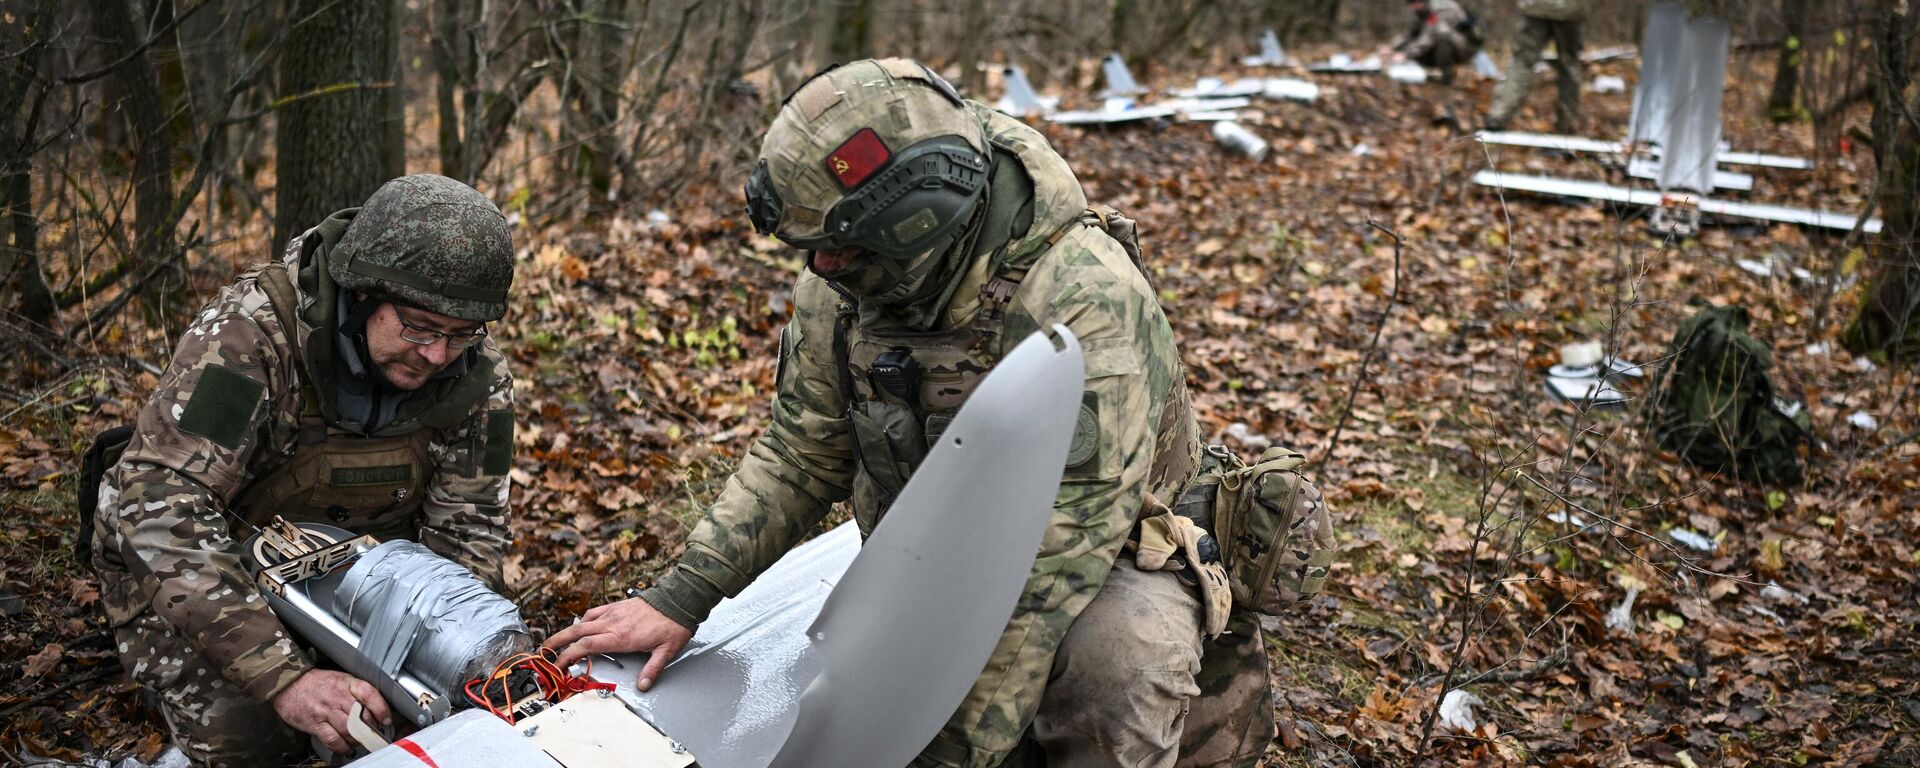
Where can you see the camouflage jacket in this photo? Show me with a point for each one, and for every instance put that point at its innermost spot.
(805, 461)
(1556, 10)
(1442, 21)
(165, 535)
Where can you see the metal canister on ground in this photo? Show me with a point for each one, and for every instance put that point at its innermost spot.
(1239, 140)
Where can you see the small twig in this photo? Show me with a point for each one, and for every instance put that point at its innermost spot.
(1546, 664)
(1895, 443)
(103, 671)
(1373, 346)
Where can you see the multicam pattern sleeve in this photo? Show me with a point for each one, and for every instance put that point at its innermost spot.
(1086, 283)
(465, 512)
(799, 467)
(228, 396)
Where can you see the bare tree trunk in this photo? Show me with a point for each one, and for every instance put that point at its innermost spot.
(22, 94)
(597, 66)
(454, 71)
(1889, 319)
(973, 38)
(121, 24)
(1783, 105)
(1176, 33)
(343, 134)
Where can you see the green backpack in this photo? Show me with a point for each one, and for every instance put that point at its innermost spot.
(1716, 407)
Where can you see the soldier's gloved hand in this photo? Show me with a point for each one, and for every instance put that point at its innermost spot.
(319, 702)
(628, 626)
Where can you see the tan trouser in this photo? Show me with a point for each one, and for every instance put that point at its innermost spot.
(1129, 686)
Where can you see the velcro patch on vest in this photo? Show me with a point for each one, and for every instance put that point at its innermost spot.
(389, 475)
(1086, 432)
(858, 158)
(499, 451)
(222, 406)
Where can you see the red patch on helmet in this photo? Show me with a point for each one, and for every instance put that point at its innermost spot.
(858, 158)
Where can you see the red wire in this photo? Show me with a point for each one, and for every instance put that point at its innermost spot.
(554, 683)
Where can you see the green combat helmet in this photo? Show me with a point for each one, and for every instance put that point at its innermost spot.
(879, 155)
(430, 242)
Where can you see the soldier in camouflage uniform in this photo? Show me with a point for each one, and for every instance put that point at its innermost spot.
(940, 234)
(350, 383)
(1542, 22)
(1437, 39)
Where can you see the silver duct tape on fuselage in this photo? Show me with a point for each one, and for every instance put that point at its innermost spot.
(410, 697)
(414, 624)
(422, 613)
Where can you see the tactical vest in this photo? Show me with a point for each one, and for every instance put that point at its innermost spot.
(903, 387)
(370, 485)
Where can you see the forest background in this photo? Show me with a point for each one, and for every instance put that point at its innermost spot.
(152, 149)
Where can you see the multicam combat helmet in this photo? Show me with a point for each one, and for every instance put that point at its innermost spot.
(430, 242)
(879, 155)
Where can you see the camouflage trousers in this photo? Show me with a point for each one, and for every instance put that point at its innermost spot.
(1533, 39)
(1134, 684)
(212, 721)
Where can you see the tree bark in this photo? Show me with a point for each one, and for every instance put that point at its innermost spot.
(454, 73)
(1783, 105)
(121, 25)
(597, 67)
(347, 136)
(973, 38)
(21, 96)
(1889, 319)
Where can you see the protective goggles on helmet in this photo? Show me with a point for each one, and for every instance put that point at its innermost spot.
(906, 204)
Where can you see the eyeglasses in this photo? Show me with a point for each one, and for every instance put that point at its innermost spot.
(424, 336)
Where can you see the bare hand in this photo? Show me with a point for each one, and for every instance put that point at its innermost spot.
(627, 626)
(318, 703)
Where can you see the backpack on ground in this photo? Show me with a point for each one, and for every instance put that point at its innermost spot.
(1716, 407)
(101, 456)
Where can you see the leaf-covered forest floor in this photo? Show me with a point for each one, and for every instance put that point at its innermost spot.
(1487, 530)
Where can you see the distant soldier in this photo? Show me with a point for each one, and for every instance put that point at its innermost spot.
(940, 233)
(1544, 21)
(1443, 36)
(350, 383)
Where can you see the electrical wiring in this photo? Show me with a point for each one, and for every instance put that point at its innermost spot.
(536, 678)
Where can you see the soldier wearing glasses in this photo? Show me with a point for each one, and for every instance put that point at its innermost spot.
(352, 383)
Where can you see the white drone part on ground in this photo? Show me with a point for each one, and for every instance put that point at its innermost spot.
(1021, 99)
(1292, 88)
(1668, 48)
(1584, 145)
(1113, 112)
(1649, 169)
(1343, 64)
(1484, 67)
(1216, 88)
(1677, 108)
(1594, 190)
(1271, 54)
(1119, 78)
(841, 654)
(1407, 72)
